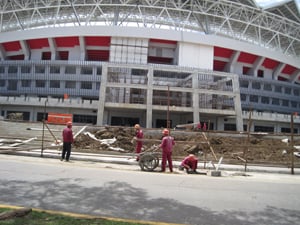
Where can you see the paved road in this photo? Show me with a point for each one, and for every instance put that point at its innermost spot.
(124, 191)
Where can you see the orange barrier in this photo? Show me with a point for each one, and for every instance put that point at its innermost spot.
(59, 118)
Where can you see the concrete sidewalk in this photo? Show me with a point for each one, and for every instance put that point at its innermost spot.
(129, 161)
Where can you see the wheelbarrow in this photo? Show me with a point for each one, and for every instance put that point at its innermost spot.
(149, 159)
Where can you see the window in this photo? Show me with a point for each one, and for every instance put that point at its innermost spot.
(285, 103)
(275, 101)
(12, 85)
(54, 84)
(25, 69)
(253, 98)
(99, 70)
(86, 70)
(2, 69)
(267, 87)
(288, 90)
(40, 69)
(296, 92)
(294, 104)
(25, 83)
(278, 89)
(70, 84)
(55, 69)
(86, 85)
(40, 83)
(46, 55)
(244, 83)
(2, 83)
(256, 85)
(70, 70)
(265, 100)
(260, 73)
(12, 69)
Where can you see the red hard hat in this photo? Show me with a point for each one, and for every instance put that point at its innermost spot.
(165, 132)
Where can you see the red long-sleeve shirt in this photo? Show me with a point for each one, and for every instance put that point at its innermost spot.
(67, 135)
(167, 143)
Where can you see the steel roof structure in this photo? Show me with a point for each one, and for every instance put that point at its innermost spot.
(276, 28)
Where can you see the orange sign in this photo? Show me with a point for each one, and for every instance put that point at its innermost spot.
(59, 118)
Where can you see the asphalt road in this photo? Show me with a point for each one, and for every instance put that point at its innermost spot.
(125, 192)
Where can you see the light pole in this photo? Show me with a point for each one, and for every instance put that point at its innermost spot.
(168, 109)
(44, 118)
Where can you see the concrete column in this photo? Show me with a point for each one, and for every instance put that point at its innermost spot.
(102, 91)
(237, 103)
(149, 99)
(196, 111)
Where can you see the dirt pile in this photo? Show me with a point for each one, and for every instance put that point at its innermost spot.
(233, 148)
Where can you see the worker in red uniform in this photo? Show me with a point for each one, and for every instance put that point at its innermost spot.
(138, 138)
(189, 163)
(67, 135)
(167, 144)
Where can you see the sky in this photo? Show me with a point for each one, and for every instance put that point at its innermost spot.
(267, 3)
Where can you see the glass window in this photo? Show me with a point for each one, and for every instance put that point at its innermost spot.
(55, 69)
(25, 83)
(70, 84)
(86, 85)
(54, 84)
(265, 100)
(25, 69)
(70, 70)
(12, 69)
(253, 98)
(12, 85)
(256, 85)
(40, 83)
(278, 89)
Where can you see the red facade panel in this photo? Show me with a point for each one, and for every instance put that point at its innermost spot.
(97, 41)
(219, 65)
(67, 41)
(270, 64)
(247, 58)
(97, 55)
(38, 43)
(162, 41)
(288, 69)
(12, 46)
(222, 52)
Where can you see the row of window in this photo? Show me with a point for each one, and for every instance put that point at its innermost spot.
(53, 69)
(269, 87)
(269, 100)
(12, 85)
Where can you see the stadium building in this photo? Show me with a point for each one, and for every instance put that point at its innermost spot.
(160, 63)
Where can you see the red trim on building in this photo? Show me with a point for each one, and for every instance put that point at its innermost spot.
(160, 60)
(97, 55)
(12, 46)
(247, 58)
(219, 65)
(97, 41)
(288, 69)
(270, 63)
(223, 52)
(16, 57)
(162, 41)
(38, 43)
(67, 41)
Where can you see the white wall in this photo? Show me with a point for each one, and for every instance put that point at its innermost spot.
(195, 55)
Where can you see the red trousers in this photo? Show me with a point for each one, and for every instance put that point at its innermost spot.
(166, 156)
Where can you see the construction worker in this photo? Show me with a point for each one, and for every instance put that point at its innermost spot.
(68, 139)
(189, 163)
(167, 144)
(139, 143)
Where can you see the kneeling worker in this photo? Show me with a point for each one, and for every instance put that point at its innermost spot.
(189, 163)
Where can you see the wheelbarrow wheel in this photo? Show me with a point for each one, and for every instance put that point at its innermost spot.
(148, 162)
